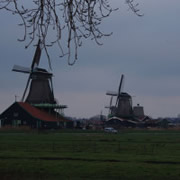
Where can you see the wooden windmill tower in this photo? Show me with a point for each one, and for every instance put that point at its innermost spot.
(40, 85)
(123, 105)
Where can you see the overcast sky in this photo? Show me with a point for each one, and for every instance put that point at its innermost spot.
(145, 49)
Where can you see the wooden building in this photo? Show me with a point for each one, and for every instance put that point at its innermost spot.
(24, 114)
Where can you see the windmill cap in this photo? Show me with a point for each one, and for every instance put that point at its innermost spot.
(123, 94)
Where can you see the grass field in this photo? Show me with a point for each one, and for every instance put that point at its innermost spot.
(130, 154)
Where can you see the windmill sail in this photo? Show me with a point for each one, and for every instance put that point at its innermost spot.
(37, 56)
(35, 63)
(120, 89)
(22, 69)
(27, 84)
(111, 93)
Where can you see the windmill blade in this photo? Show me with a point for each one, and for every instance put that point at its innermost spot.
(35, 63)
(119, 90)
(26, 88)
(111, 93)
(120, 85)
(107, 107)
(21, 69)
(37, 56)
(110, 104)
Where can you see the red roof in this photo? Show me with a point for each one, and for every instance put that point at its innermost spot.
(39, 114)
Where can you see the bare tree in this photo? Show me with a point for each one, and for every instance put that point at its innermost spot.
(77, 19)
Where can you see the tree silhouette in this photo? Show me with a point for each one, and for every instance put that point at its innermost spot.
(61, 21)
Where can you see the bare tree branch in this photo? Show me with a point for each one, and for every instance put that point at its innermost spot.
(62, 21)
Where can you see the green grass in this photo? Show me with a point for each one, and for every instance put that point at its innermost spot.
(130, 154)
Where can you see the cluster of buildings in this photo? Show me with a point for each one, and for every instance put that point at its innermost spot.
(38, 107)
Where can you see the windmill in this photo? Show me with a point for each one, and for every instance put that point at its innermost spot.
(39, 83)
(123, 105)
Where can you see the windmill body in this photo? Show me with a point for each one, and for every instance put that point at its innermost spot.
(124, 106)
(41, 90)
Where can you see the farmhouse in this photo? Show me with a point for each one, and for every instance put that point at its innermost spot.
(24, 114)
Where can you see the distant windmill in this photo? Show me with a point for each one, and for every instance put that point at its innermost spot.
(123, 105)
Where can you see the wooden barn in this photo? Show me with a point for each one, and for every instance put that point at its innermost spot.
(24, 114)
